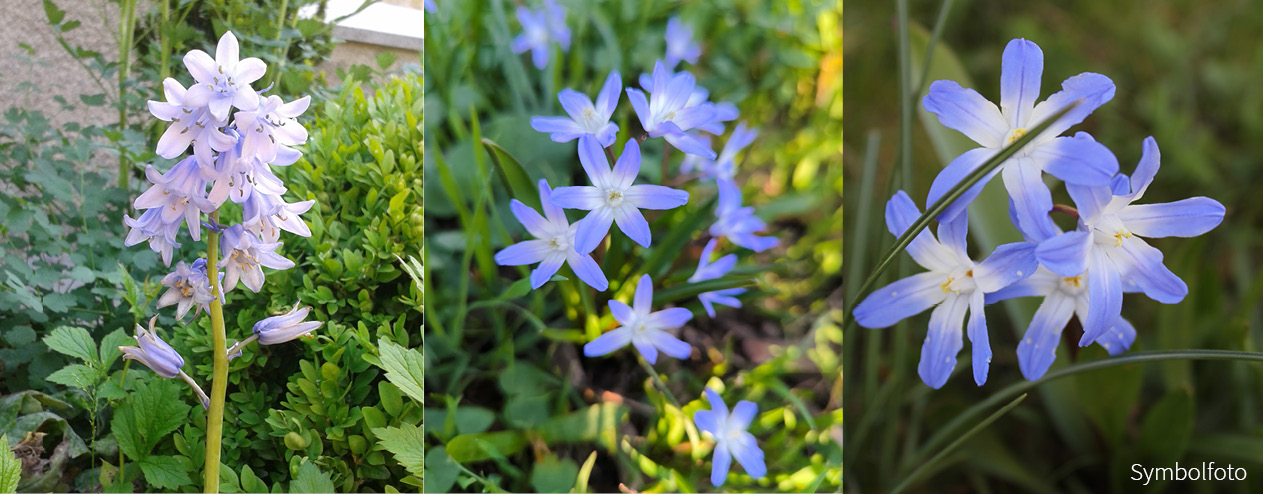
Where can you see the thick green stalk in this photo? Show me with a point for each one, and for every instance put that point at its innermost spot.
(219, 382)
(126, 29)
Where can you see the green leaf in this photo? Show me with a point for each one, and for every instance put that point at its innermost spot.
(513, 175)
(109, 347)
(149, 413)
(908, 480)
(250, 482)
(404, 368)
(597, 423)
(311, 479)
(10, 468)
(73, 341)
(1167, 428)
(19, 336)
(467, 448)
(689, 290)
(55, 15)
(407, 443)
(552, 475)
(76, 376)
(166, 472)
(585, 472)
(440, 470)
(92, 99)
(385, 59)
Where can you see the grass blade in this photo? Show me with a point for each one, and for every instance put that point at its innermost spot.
(925, 467)
(681, 292)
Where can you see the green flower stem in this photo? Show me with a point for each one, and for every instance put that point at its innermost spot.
(219, 381)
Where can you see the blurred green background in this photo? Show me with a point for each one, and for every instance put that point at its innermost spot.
(1187, 73)
(562, 422)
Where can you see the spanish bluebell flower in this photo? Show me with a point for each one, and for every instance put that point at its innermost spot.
(238, 175)
(680, 44)
(227, 76)
(285, 327)
(1075, 160)
(187, 287)
(647, 331)
(266, 215)
(244, 257)
(953, 282)
(666, 112)
(191, 123)
(585, 117)
(554, 244)
(725, 167)
(737, 223)
(150, 227)
(612, 198)
(1108, 246)
(732, 439)
(706, 270)
(153, 352)
(270, 128)
(539, 29)
(180, 194)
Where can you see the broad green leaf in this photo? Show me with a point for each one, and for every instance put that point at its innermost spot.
(149, 413)
(250, 482)
(10, 468)
(406, 442)
(514, 176)
(440, 470)
(596, 423)
(404, 368)
(311, 479)
(467, 448)
(166, 472)
(109, 347)
(76, 376)
(553, 475)
(73, 341)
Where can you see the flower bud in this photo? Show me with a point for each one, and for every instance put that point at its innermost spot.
(285, 327)
(153, 352)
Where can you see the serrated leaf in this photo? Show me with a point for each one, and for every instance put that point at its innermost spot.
(406, 442)
(149, 413)
(10, 467)
(311, 479)
(76, 376)
(166, 472)
(109, 347)
(73, 341)
(404, 368)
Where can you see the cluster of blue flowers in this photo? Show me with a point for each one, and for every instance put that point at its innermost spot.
(1083, 272)
(672, 106)
(233, 152)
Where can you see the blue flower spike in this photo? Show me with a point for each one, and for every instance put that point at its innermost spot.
(645, 330)
(612, 198)
(732, 439)
(1078, 160)
(953, 285)
(553, 246)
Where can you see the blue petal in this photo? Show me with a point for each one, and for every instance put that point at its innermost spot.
(1020, 72)
(633, 224)
(901, 213)
(954, 173)
(607, 99)
(719, 466)
(688, 144)
(952, 234)
(647, 349)
(529, 218)
(1150, 161)
(578, 197)
(588, 270)
(1187, 218)
(574, 103)
(647, 196)
(1077, 160)
(1142, 266)
(1040, 284)
(716, 402)
(546, 270)
(1065, 254)
(1038, 349)
(1031, 197)
(966, 111)
(1090, 89)
(707, 421)
(943, 342)
(670, 345)
(608, 342)
(899, 300)
(746, 451)
(1105, 297)
(742, 415)
(1007, 264)
(1090, 201)
(640, 105)
(978, 338)
(693, 116)
(561, 129)
(642, 300)
(592, 229)
(523, 253)
(627, 166)
(1120, 185)
(1119, 338)
(592, 158)
(621, 312)
(670, 318)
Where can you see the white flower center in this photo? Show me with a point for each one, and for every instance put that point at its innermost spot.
(613, 197)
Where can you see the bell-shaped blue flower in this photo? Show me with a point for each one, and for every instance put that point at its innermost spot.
(285, 327)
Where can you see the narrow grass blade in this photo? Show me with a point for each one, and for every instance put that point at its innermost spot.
(927, 466)
(682, 292)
